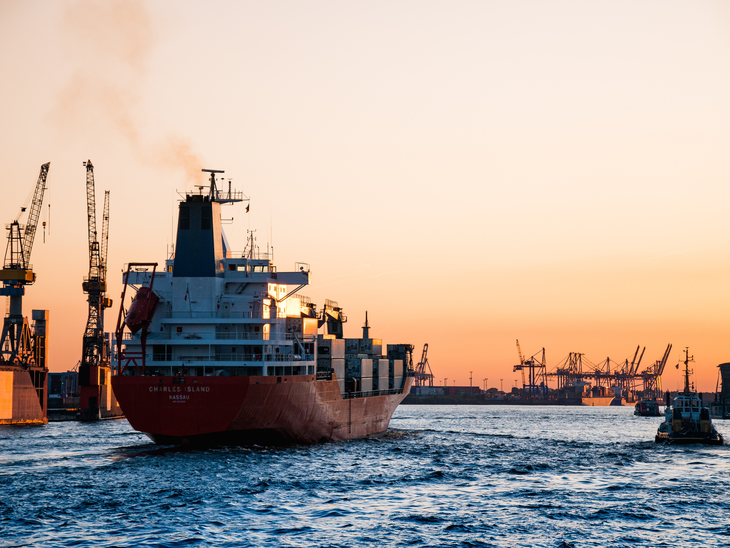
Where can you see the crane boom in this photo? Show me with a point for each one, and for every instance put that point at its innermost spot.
(104, 237)
(636, 367)
(424, 378)
(521, 366)
(663, 363)
(630, 368)
(34, 214)
(94, 258)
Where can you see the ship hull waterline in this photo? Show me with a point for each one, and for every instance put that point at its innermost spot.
(689, 439)
(250, 409)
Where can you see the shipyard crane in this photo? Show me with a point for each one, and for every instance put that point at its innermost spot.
(575, 368)
(651, 376)
(16, 344)
(635, 368)
(536, 370)
(94, 353)
(423, 378)
(521, 366)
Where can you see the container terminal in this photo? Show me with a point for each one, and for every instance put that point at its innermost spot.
(576, 381)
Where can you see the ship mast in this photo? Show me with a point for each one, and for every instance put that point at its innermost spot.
(687, 359)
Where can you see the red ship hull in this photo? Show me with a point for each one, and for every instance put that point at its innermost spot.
(300, 409)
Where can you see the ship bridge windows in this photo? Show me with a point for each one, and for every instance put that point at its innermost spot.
(185, 218)
(287, 370)
(206, 218)
(161, 352)
(237, 267)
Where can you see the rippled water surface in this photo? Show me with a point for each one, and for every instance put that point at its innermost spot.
(441, 476)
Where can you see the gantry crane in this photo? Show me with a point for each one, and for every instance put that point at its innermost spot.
(423, 378)
(576, 368)
(94, 366)
(536, 370)
(652, 376)
(23, 352)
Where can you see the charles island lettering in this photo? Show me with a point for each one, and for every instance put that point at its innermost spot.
(177, 389)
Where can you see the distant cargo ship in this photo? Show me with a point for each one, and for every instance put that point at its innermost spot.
(581, 393)
(222, 348)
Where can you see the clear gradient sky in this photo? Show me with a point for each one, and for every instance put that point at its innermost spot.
(470, 173)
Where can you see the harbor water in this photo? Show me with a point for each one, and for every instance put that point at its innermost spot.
(441, 476)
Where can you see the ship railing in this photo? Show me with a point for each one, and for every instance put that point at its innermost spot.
(300, 337)
(353, 395)
(205, 336)
(241, 357)
(229, 195)
(254, 256)
(222, 336)
(245, 315)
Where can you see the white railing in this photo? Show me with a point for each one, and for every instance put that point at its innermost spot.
(238, 358)
(223, 314)
(201, 315)
(221, 337)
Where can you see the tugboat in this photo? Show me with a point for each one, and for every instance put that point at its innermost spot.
(647, 408)
(687, 421)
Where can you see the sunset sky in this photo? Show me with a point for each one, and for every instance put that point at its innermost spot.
(470, 173)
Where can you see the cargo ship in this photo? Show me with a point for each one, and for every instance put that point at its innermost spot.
(580, 392)
(220, 347)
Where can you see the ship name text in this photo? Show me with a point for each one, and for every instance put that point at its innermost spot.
(179, 389)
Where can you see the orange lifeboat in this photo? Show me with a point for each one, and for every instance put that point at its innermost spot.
(142, 309)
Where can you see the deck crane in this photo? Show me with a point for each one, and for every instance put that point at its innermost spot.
(94, 368)
(423, 378)
(16, 344)
(332, 315)
(23, 352)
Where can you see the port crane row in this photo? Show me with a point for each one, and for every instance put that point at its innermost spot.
(576, 368)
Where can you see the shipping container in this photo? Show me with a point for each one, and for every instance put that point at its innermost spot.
(338, 366)
(352, 346)
(334, 348)
(366, 346)
(397, 383)
(383, 383)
